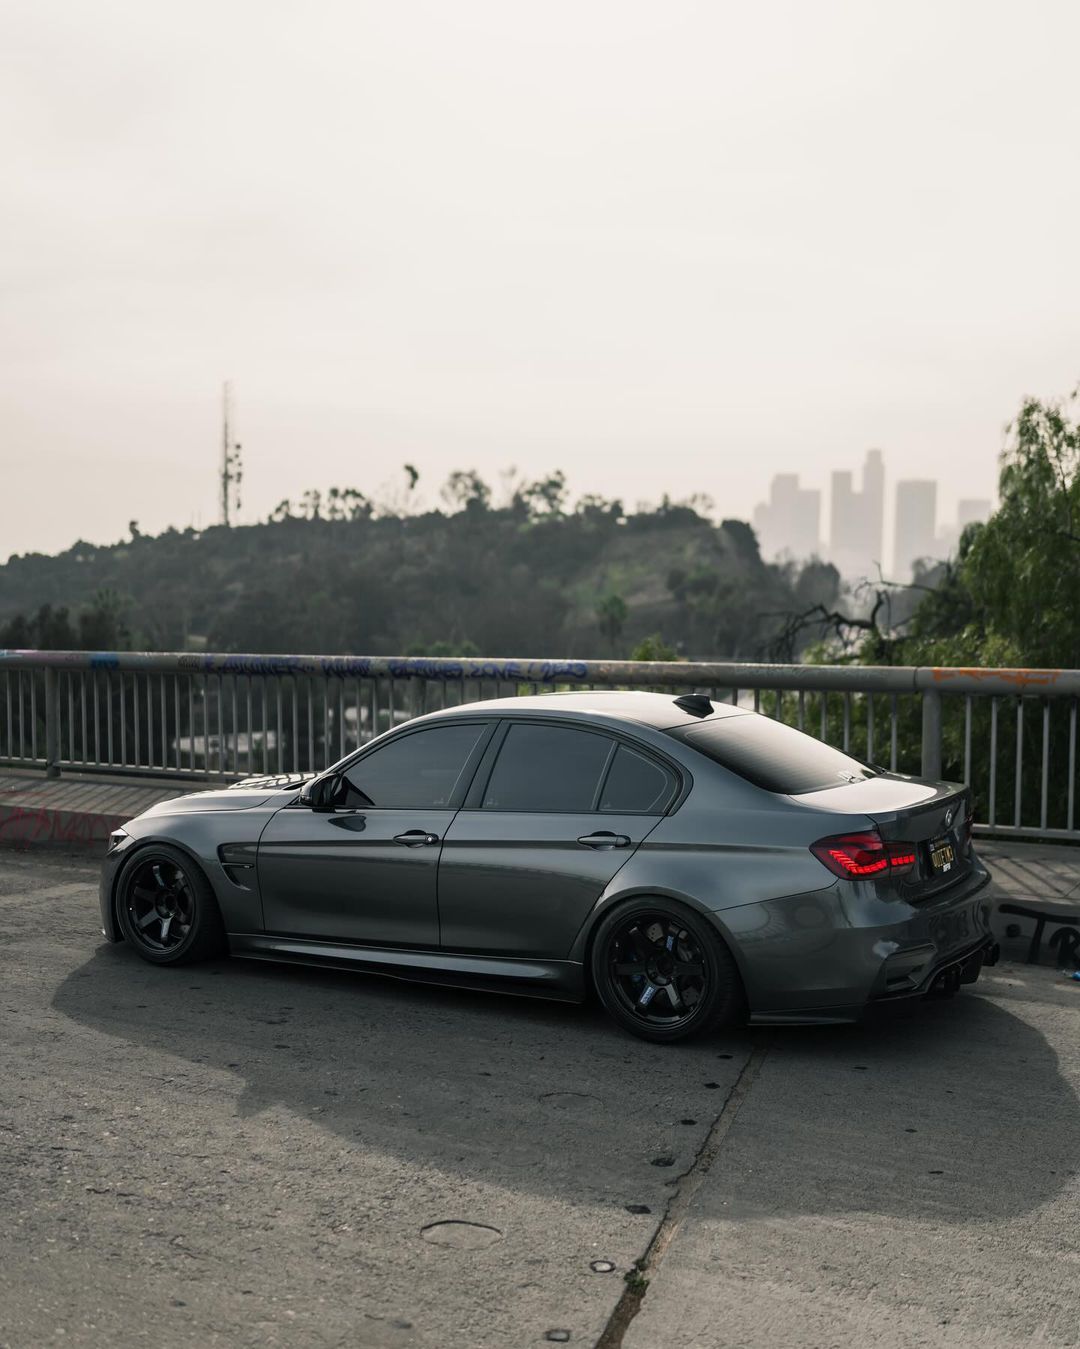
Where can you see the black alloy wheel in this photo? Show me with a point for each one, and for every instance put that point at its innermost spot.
(166, 908)
(662, 973)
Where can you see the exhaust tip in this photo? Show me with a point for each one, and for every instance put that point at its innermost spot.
(947, 982)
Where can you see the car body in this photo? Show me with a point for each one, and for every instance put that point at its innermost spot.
(492, 857)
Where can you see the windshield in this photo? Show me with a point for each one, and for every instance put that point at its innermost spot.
(772, 755)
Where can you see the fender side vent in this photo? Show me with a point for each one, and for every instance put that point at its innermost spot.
(238, 863)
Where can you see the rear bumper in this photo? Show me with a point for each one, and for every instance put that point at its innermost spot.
(943, 974)
(946, 978)
(825, 958)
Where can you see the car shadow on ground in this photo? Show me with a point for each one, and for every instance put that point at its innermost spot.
(530, 1095)
(944, 1110)
(538, 1095)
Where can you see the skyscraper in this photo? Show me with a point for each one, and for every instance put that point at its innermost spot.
(916, 526)
(855, 525)
(972, 509)
(790, 521)
(969, 510)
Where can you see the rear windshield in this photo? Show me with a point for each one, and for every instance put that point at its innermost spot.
(772, 755)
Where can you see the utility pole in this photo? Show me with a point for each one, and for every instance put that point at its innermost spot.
(232, 471)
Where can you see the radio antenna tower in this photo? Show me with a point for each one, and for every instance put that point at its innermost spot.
(232, 469)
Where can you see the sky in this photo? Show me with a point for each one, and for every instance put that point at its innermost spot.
(666, 247)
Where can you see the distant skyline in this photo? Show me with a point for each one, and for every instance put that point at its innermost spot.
(877, 524)
(666, 248)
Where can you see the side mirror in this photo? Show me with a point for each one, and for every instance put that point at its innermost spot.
(322, 793)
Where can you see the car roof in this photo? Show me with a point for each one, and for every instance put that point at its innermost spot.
(658, 710)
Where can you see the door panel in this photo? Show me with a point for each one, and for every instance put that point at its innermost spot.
(342, 876)
(519, 883)
(366, 872)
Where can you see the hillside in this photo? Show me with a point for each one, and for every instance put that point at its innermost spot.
(591, 582)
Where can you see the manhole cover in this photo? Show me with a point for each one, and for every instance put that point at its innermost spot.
(462, 1235)
(570, 1100)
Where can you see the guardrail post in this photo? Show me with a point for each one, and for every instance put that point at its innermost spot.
(52, 724)
(931, 734)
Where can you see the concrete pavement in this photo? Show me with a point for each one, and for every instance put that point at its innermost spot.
(243, 1154)
(905, 1185)
(238, 1154)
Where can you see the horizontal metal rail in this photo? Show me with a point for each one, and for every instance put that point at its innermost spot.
(1009, 733)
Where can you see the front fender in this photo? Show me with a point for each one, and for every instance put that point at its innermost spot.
(204, 837)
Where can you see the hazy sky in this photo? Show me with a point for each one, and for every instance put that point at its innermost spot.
(664, 246)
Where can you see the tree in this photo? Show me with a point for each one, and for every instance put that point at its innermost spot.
(611, 615)
(598, 509)
(356, 504)
(467, 491)
(546, 496)
(102, 626)
(743, 539)
(721, 611)
(653, 648)
(99, 627)
(1011, 597)
(817, 583)
(449, 650)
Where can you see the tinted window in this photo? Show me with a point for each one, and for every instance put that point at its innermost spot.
(774, 756)
(547, 768)
(418, 770)
(636, 784)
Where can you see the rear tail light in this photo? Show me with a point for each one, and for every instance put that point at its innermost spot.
(852, 856)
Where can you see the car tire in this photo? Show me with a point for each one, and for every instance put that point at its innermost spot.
(663, 972)
(166, 908)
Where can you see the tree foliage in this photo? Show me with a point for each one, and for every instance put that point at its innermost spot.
(1011, 598)
(98, 626)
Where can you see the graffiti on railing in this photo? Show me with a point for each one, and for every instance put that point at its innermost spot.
(1016, 681)
(394, 667)
(244, 665)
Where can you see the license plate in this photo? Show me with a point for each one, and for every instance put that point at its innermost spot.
(942, 855)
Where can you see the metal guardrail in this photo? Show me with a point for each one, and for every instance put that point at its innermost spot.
(1011, 734)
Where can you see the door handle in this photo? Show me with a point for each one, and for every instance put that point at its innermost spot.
(415, 838)
(604, 838)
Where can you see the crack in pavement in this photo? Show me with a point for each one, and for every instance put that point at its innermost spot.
(690, 1182)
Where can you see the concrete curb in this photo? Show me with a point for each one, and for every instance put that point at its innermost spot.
(72, 812)
(38, 826)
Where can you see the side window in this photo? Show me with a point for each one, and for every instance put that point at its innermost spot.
(419, 770)
(636, 785)
(547, 768)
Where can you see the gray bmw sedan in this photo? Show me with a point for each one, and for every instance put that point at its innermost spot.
(689, 863)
